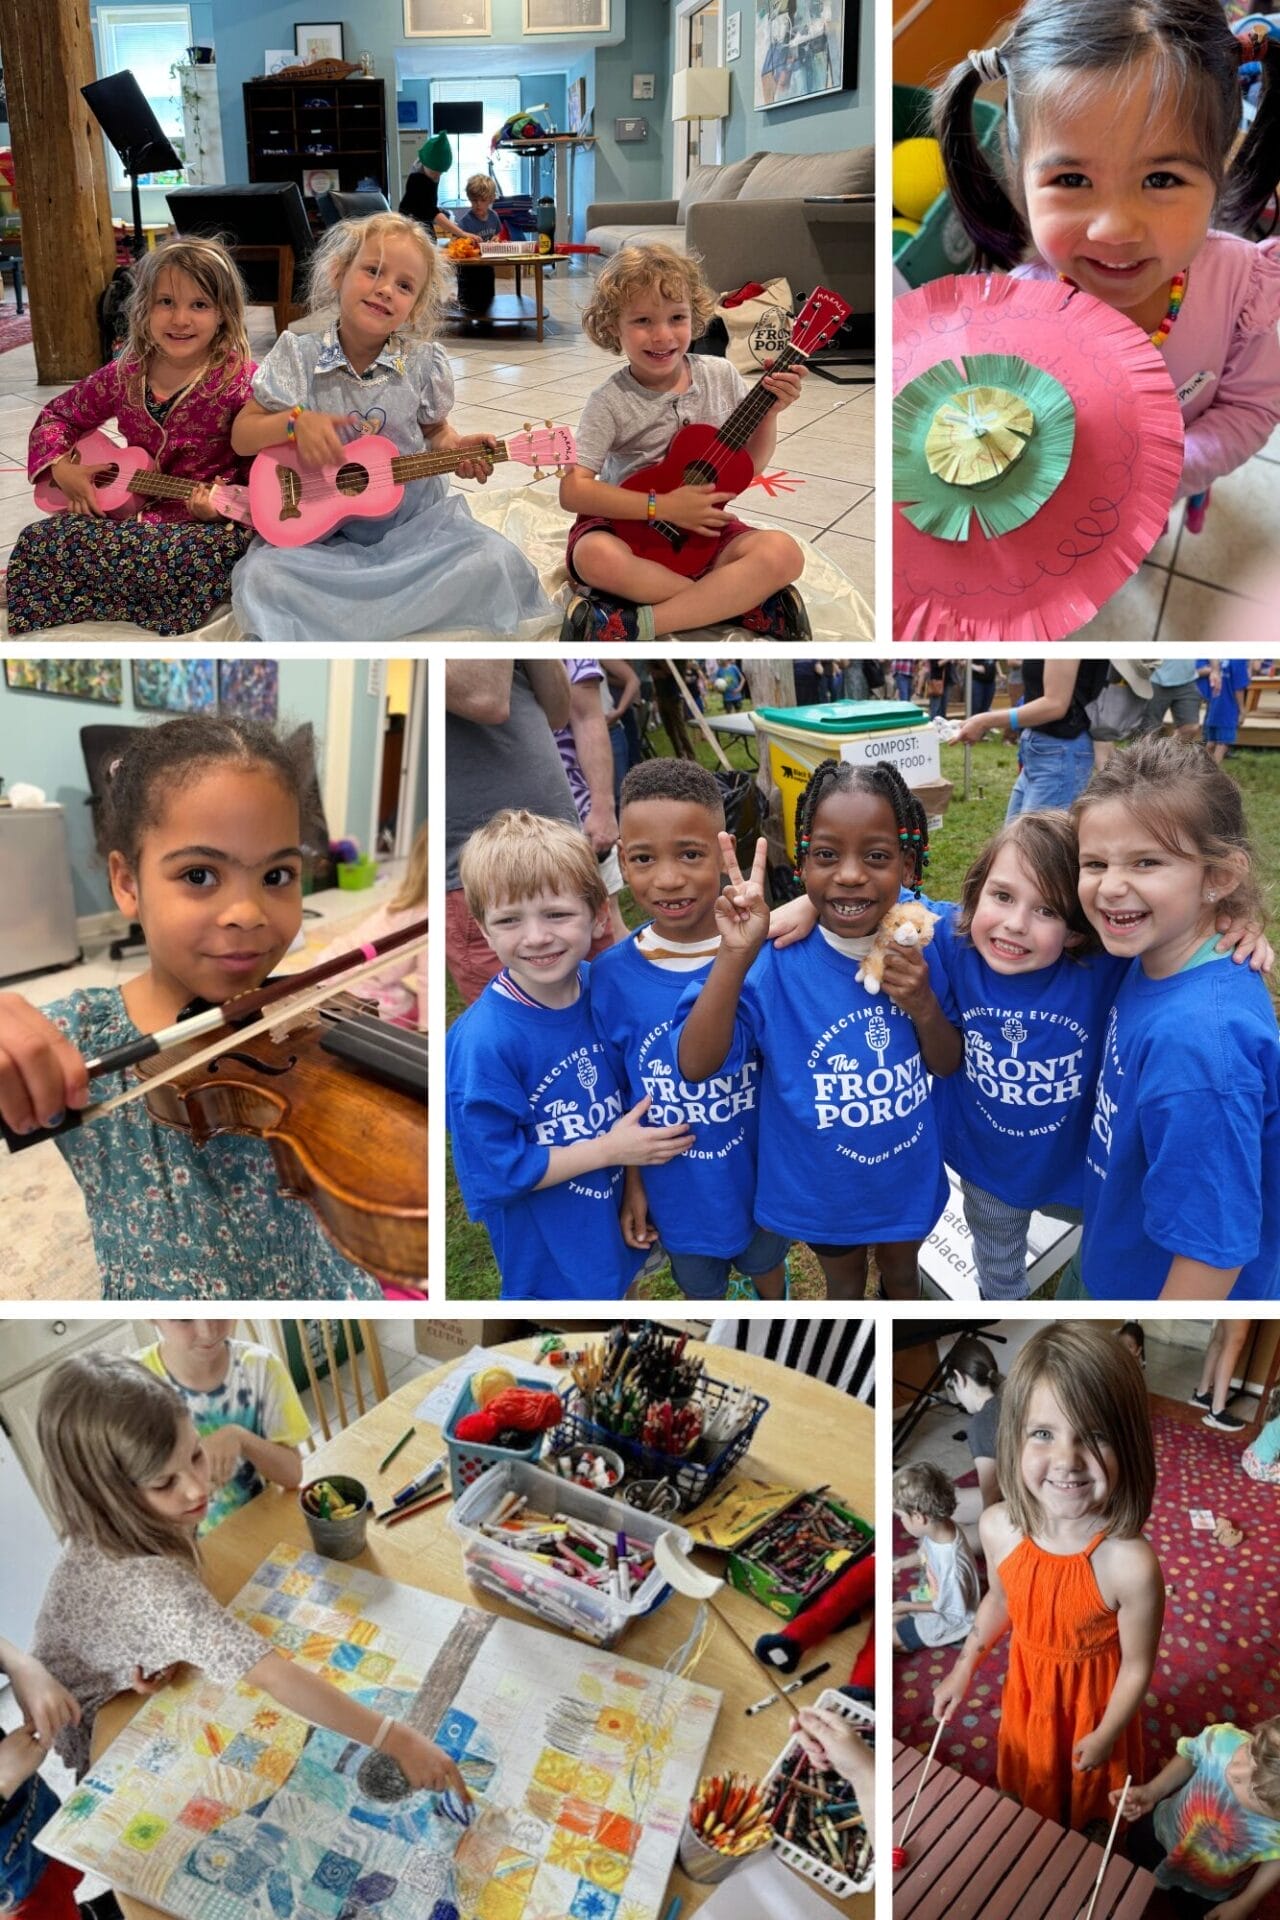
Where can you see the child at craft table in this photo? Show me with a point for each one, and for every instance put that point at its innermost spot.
(540, 1137)
(1208, 1817)
(125, 1606)
(242, 1403)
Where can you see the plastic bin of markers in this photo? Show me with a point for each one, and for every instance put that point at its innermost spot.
(693, 1477)
(747, 1576)
(468, 1459)
(553, 1597)
(812, 1865)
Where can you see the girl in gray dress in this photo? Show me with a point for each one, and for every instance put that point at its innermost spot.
(427, 567)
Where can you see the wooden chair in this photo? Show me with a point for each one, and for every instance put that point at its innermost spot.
(284, 307)
(368, 1336)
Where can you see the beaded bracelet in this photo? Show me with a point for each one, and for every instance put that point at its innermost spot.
(291, 423)
(653, 505)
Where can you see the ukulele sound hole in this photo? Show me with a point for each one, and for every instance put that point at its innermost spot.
(259, 1066)
(699, 474)
(107, 478)
(352, 481)
(290, 493)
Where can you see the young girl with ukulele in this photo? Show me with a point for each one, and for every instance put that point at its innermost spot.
(180, 379)
(201, 829)
(376, 367)
(648, 304)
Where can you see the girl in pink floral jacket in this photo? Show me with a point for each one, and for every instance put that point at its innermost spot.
(180, 380)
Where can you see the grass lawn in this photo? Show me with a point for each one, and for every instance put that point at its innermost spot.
(965, 830)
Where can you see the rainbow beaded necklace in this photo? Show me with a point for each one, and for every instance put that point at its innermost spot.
(1177, 294)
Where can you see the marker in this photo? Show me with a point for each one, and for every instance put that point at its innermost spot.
(673, 1911)
(403, 1441)
(421, 1484)
(792, 1686)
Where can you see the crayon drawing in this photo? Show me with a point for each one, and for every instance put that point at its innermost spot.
(216, 1804)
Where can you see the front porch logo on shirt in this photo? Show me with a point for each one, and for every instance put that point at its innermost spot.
(852, 1086)
(694, 1103)
(1032, 1093)
(559, 1116)
(1105, 1105)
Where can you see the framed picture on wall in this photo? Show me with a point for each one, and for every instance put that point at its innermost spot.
(446, 19)
(566, 16)
(318, 40)
(249, 687)
(804, 48)
(101, 680)
(175, 686)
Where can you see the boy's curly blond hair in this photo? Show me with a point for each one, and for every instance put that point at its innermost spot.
(517, 855)
(342, 246)
(1264, 1750)
(924, 1488)
(482, 186)
(636, 271)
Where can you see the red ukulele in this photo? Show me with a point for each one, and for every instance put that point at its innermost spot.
(702, 456)
(130, 478)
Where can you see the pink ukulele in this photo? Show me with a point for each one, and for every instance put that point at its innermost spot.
(131, 477)
(293, 505)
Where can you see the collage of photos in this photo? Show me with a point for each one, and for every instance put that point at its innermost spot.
(519, 893)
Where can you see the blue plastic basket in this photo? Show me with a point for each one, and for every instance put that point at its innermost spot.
(467, 1458)
(692, 1478)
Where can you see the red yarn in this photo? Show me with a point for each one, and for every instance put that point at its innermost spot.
(520, 1407)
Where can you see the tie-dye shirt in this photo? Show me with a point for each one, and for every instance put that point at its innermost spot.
(1210, 1840)
(255, 1393)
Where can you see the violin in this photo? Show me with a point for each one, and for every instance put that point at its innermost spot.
(352, 1146)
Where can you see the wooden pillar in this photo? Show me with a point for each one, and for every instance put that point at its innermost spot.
(68, 253)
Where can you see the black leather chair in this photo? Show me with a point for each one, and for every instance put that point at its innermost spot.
(338, 205)
(266, 232)
(100, 745)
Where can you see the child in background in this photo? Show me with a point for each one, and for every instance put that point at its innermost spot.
(1191, 1062)
(421, 201)
(701, 1202)
(941, 1609)
(32, 1886)
(850, 1157)
(182, 376)
(536, 1115)
(972, 1379)
(1224, 686)
(1261, 1458)
(1131, 1335)
(376, 367)
(391, 989)
(200, 825)
(480, 220)
(1145, 101)
(129, 1484)
(1069, 1571)
(649, 303)
(242, 1404)
(1211, 1815)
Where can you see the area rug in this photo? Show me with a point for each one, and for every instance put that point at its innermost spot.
(15, 329)
(1217, 1651)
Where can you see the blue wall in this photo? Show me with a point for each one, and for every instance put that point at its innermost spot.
(40, 743)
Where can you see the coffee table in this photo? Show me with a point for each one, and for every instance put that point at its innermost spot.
(512, 309)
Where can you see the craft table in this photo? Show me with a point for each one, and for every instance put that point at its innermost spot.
(809, 1434)
(973, 1852)
(512, 308)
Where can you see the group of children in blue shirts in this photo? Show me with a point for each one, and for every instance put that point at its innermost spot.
(723, 1082)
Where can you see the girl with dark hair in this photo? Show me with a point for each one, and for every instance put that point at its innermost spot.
(201, 832)
(1120, 178)
(849, 1156)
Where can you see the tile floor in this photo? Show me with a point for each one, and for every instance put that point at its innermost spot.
(820, 487)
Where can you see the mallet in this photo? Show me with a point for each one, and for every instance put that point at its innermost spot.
(1111, 1840)
(898, 1856)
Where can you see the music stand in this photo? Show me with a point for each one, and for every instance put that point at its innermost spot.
(120, 108)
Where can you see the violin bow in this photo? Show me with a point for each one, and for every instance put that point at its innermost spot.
(277, 1007)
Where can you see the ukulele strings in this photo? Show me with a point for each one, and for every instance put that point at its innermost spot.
(735, 432)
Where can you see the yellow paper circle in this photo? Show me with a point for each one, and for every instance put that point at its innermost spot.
(977, 435)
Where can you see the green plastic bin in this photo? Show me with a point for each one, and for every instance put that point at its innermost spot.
(942, 246)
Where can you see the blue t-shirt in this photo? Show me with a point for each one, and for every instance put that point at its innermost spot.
(702, 1201)
(1015, 1119)
(849, 1151)
(1184, 1150)
(521, 1080)
(487, 229)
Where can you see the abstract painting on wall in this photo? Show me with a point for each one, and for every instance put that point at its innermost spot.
(175, 686)
(804, 48)
(250, 687)
(78, 679)
(216, 1804)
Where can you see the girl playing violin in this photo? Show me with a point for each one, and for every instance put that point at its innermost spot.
(201, 827)
(181, 378)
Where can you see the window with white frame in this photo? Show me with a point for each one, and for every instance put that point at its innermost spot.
(147, 42)
(499, 99)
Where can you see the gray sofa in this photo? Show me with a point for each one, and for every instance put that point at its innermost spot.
(750, 221)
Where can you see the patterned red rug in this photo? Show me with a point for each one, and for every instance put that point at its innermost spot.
(15, 328)
(1217, 1652)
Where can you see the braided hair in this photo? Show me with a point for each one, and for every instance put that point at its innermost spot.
(883, 780)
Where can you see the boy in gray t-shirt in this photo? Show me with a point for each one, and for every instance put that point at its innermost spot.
(652, 561)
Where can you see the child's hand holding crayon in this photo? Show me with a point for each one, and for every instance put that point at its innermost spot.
(423, 1764)
(742, 913)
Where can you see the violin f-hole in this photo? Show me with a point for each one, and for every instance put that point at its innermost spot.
(258, 1066)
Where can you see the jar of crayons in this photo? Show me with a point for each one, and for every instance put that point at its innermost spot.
(336, 1511)
(815, 1818)
(724, 1826)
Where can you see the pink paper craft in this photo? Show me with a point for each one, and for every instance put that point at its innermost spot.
(1046, 579)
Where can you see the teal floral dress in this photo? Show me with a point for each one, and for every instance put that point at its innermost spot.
(172, 1220)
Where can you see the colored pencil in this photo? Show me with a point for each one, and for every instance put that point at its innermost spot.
(403, 1441)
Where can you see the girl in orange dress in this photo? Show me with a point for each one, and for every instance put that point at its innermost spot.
(1070, 1572)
